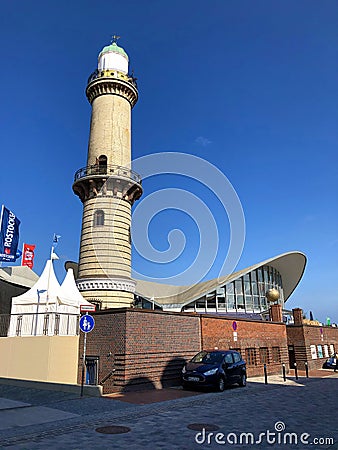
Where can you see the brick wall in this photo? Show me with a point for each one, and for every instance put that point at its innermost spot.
(301, 337)
(148, 348)
(107, 341)
(158, 345)
(253, 335)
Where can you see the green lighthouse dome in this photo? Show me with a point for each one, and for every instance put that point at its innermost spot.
(113, 48)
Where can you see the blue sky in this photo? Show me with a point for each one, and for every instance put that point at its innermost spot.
(250, 86)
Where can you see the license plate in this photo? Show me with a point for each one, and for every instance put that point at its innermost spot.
(193, 379)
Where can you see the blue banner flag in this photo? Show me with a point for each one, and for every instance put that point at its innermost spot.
(9, 235)
(56, 238)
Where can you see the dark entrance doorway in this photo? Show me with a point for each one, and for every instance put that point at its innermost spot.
(102, 160)
(292, 356)
(92, 370)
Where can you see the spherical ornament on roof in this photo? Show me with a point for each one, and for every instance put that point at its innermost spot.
(272, 295)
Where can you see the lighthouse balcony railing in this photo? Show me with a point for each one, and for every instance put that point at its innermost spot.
(112, 74)
(39, 324)
(108, 171)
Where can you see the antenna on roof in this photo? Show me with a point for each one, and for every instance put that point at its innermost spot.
(115, 38)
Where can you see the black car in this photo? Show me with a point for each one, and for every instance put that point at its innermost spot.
(330, 363)
(215, 368)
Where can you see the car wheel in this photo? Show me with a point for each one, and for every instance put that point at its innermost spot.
(221, 384)
(242, 382)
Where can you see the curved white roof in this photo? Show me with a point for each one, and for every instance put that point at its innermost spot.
(290, 265)
(19, 275)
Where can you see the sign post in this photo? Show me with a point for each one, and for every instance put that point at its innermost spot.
(87, 323)
(234, 327)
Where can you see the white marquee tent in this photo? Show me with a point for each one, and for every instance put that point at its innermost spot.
(47, 308)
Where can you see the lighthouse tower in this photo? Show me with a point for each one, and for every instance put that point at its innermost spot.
(107, 186)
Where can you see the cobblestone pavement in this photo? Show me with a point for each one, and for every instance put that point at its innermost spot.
(303, 406)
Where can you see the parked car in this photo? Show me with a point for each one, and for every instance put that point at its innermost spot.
(330, 363)
(215, 368)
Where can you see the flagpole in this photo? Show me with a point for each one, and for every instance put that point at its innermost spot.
(23, 247)
(50, 269)
(2, 212)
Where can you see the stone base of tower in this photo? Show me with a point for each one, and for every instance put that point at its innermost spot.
(109, 299)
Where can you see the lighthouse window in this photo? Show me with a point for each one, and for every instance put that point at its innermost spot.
(98, 218)
(102, 160)
(102, 163)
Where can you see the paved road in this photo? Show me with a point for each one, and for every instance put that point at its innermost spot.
(35, 419)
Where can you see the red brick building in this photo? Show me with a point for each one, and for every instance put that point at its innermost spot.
(134, 348)
(310, 343)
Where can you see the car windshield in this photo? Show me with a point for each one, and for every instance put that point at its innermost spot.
(208, 358)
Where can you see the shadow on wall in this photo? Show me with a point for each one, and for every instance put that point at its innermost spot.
(171, 375)
(5, 320)
(138, 384)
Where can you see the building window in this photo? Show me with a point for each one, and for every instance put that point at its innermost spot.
(211, 301)
(256, 304)
(239, 293)
(200, 303)
(313, 351)
(230, 297)
(266, 274)
(250, 356)
(264, 355)
(276, 355)
(221, 302)
(249, 303)
(98, 218)
(320, 351)
(260, 274)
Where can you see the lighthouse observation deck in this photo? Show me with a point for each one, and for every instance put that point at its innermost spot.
(110, 170)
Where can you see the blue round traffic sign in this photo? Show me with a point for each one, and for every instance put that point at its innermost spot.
(234, 325)
(87, 323)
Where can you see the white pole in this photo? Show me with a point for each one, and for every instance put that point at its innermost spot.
(2, 213)
(48, 280)
(37, 313)
(83, 362)
(23, 246)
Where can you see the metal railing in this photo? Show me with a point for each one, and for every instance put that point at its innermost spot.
(110, 73)
(40, 324)
(109, 170)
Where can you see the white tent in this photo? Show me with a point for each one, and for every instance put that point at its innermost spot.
(47, 308)
(69, 297)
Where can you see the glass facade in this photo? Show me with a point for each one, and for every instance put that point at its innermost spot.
(245, 294)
